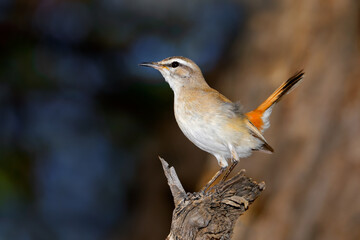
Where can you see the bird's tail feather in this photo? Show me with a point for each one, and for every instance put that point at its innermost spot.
(260, 116)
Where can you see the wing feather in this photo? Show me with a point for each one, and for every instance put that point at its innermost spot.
(256, 133)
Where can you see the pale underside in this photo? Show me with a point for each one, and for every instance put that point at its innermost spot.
(215, 124)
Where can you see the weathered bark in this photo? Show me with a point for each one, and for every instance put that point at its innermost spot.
(211, 215)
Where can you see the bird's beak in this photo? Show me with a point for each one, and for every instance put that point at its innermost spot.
(150, 64)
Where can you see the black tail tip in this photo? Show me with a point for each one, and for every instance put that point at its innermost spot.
(299, 74)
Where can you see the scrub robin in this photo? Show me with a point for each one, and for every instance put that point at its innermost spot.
(211, 121)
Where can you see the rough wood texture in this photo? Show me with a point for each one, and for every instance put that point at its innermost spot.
(211, 215)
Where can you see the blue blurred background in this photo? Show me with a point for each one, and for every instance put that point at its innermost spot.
(82, 125)
(76, 109)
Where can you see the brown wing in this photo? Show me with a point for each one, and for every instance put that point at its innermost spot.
(256, 133)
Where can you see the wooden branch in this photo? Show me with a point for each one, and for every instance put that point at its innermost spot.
(211, 215)
(176, 188)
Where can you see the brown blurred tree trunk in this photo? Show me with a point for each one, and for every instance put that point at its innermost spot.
(313, 177)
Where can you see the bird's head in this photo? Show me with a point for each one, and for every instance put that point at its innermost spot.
(179, 72)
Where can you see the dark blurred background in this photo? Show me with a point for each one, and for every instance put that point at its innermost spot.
(82, 125)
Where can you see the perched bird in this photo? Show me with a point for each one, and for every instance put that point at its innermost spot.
(210, 120)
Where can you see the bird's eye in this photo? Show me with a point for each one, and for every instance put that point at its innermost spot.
(174, 64)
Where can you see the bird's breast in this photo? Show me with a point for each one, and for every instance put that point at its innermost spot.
(212, 125)
(201, 123)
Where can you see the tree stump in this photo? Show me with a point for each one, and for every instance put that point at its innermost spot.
(210, 215)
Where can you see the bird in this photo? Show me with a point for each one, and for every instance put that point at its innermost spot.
(211, 121)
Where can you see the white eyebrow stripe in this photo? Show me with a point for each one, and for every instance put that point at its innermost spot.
(182, 62)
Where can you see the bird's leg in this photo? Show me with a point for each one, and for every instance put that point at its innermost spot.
(232, 166)
(213, 179)
(234, 159)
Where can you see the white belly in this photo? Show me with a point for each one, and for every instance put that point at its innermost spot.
(205, 130)
(201, 130)
(203, 135)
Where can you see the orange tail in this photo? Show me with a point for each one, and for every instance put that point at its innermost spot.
(260, 116)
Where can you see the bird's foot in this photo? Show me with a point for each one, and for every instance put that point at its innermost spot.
(195, 195)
